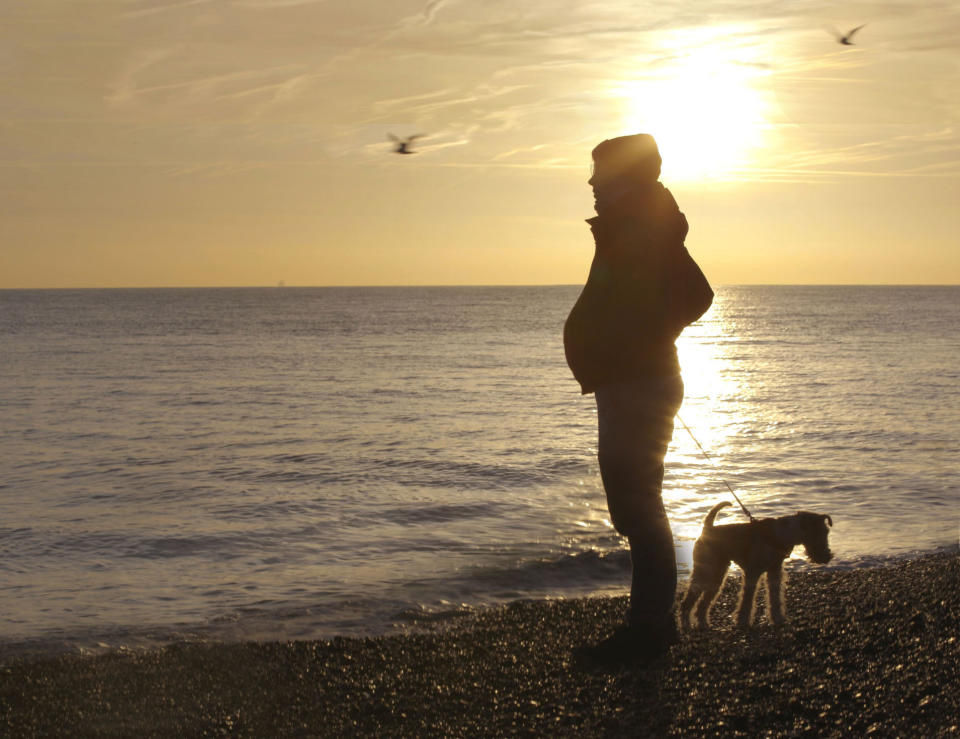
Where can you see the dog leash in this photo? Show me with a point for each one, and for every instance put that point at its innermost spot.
(710, 460)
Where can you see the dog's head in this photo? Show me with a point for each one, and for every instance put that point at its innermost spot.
(814, 528)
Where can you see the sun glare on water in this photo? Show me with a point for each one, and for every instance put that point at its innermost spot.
(705, 108)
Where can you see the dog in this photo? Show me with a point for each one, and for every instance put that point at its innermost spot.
(759, 548)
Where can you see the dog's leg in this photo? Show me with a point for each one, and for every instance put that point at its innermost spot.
(710, 586)
(694, 591)
(703, 607)
(775, 582)
(748, 594)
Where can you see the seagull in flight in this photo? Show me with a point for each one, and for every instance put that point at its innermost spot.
(847, 39)
(402, 146)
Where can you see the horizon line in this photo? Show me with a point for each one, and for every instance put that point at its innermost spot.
(463, 285)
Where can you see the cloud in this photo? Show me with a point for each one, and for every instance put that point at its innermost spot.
(909, 151)
(207, 90)
(274, 4)
(124, 88)
(431, 8)
(157, 9)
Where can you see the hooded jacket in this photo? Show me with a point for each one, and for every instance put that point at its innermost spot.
(643, 289)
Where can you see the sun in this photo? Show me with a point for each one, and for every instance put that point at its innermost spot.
(705, 108)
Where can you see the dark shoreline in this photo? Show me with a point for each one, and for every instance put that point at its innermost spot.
(868, 651)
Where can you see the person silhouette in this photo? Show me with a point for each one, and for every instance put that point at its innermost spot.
(642, 290)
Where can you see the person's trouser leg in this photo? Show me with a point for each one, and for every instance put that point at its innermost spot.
(636, 423)
(653, 584)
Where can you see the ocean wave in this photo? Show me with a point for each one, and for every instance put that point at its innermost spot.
(587, 569)
(438, 512)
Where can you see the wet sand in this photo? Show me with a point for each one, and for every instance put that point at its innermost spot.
(867, 652)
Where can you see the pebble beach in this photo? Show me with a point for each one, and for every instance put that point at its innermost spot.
(870, 651)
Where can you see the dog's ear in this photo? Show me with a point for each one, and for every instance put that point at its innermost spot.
(828, 520)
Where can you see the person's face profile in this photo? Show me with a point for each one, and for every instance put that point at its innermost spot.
(603, 181)
(598, 177)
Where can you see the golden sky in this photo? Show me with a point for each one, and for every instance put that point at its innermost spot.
(245, 142)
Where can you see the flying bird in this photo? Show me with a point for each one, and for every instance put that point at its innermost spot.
(847, 39)
(402, 146)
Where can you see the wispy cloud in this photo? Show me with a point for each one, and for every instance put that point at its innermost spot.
(124, 87)
(431, 8)
(203, 92)
(156, 9)
(274, 4)
(914, 153)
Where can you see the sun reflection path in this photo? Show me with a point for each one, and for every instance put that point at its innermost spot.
(704, 104)
(712, 386)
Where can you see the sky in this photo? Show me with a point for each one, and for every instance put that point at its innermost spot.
(246, 142)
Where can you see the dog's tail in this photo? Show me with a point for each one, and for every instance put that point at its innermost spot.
(708, 521)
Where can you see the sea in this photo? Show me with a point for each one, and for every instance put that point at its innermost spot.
(302, 463)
